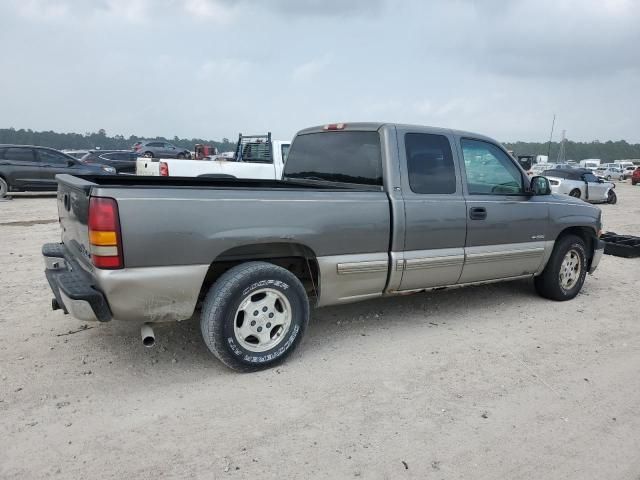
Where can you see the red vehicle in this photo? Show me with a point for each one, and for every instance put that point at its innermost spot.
(635, 177)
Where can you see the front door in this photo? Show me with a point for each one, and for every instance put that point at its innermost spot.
(434, 211)
(506, 228)
(53, 163)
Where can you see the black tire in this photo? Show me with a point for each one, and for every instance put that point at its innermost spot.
(548, 284)
(612, 198)
(633, 182)
(608, 178)
(575, 193)
(148, 154)
(181, 156)
(4, 188)
(221, 318)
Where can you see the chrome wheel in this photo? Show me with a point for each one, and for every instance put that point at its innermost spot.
(262, 320)
(570, 270)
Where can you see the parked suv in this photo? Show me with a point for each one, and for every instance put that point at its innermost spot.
(29, 168)
(159, 149)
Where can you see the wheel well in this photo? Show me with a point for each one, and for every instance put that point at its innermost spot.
(585, 233)
(298, 259)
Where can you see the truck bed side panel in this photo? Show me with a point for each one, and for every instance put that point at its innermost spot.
(348, 231)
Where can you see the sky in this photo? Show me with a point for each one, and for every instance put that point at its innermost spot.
(214, 68)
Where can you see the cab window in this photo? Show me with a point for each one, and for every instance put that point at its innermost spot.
(489, 170)
(430, 164)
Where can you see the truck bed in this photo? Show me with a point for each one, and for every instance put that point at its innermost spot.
(86, 182)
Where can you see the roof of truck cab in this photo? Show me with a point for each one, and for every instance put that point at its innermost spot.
(374, 126)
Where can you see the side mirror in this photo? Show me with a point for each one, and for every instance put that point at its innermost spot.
(540, 186)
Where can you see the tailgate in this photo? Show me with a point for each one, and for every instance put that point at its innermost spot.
(73, 213)
(148, 167)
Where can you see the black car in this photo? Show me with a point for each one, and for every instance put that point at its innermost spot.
(29, 168)
(124, 161)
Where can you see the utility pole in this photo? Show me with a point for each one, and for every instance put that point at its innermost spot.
(553, 124)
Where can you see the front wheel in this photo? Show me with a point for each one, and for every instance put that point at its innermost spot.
(564, 275)
(612, 198)
(254, 316)
(575, 193)
(148, 155)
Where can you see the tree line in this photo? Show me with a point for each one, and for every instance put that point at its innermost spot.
(99, 139)
(606, 151)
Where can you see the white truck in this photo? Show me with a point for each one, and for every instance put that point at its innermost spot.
(256, 157)
(590, 163)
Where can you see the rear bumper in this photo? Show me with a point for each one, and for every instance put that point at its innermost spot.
(597, 255)
(148, 294)
(72, 287)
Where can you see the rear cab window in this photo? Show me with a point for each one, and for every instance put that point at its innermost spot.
(429, 164)
(352, 157)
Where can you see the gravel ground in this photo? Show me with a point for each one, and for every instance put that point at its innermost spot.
(483, 382)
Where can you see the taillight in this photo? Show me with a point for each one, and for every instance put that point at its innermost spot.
(334, 126)
(164, 169)
(104, 233)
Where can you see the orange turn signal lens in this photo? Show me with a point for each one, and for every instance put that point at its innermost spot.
(102, 238)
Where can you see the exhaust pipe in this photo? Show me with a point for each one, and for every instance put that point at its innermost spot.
(148, 337)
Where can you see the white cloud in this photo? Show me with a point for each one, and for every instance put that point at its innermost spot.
(311, 69)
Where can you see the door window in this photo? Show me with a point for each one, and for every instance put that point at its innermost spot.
(590, 177)
(430, 163)
(489, 170)
(49, 157)
(20, 155)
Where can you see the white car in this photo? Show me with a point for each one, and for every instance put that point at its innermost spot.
(262, 159)
(628, 171)
(610, 171)
(581, 183)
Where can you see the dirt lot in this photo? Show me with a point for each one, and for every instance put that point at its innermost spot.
(483, 382)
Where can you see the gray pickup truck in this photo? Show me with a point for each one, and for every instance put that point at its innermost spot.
(363, 210)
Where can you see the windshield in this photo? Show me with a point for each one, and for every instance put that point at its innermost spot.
(344, 157)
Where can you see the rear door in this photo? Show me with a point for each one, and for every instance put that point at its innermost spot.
(434, 210)
(23, 169)
(506, 228)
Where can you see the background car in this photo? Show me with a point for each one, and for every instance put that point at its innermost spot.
(30, 168)
(158, 149)
(581, 183)
(628, 170)
(609, 171)
(635, 176)
(124, 161)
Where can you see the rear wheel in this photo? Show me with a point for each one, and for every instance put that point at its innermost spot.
(566, 270)
(4, 188)
(575, 193)
(181, 156)
(612, 198)
(148, 154)
(608, 178)
(254, 316)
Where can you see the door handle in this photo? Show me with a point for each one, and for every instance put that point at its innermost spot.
(477, 213)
